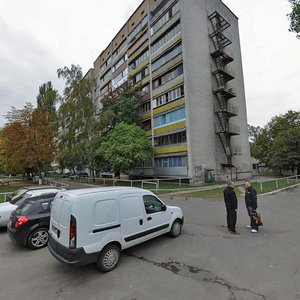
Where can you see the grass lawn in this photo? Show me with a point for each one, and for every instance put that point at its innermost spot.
(267, 186)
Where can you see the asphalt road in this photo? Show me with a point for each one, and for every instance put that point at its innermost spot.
(205, 262)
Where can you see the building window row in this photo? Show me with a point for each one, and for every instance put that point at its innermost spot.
(169, 96)
(142, 57)
(145, 107)
(122, 46)
(170, 75)
(120, 79)
(142, 74)
(171, 162)
(119, 63)
(144, 164)
(166, 38)
(165, 18)
(170, 117)
(138, 28)
(175, 138)
(166, 57)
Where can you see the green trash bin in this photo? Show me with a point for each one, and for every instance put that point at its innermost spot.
(209, 176)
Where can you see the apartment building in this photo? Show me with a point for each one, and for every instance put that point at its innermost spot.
(186, 56)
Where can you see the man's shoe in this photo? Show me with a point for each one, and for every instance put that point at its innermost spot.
(234, 232)
(248, 226)
(254, 231)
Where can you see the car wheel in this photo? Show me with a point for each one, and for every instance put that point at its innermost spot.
(175, 229)
(38, 238)
(108, 258)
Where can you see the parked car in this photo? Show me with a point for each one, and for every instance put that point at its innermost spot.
(20, 192)
(6, 208)
(106, 174)
(29, 222)
(79, 175)
(94, 225)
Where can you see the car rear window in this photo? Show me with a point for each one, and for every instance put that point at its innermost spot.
(18, 200)
(24, 208)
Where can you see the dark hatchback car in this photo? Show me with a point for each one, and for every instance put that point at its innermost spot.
(29, 222)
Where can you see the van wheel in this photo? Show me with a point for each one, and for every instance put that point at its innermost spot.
(108, 258)
(38, 238)
(175, 229)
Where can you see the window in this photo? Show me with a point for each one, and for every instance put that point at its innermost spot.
(105, 77)
(146, 125)
(152, 204)
(171, 139)
(138, 28)
(120, 78)
(145, 107)
(139, 60)
(105, 64)
(139, 76)
(166, 38)
(170, 117)
(169, 96)
(119, 49)
(171, 162)
(145, 90)
(165, 18)
(119, 63)
(169, 55)
(170, 75)
(138, 43)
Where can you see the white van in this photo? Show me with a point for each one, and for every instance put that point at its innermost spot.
(94, 225)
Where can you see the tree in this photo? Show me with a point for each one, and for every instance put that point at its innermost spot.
(47, 97)
(125, 146)
(277, 145)
(27, 141)
(121, 105)
(294, 17)
(76, 117)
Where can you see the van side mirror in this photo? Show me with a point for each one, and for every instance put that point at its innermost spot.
(163, 207)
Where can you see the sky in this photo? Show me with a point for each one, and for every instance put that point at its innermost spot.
(39, 36)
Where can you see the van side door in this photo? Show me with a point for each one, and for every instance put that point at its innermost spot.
(157, 217)
(132, 217)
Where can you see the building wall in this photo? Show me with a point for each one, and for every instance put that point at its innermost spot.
(201, 149)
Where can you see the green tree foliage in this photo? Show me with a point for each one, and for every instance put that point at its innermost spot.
(47, 98)
(76, 119)
(121, 105)
(125, 146)
(294, 17)
(277, 145)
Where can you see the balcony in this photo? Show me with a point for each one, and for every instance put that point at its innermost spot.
(227, 110)
(223, 74)
(218, 22)
(225, 92)
(219, 39)
(227, 128)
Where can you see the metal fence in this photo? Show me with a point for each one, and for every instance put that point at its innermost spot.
(277, 183)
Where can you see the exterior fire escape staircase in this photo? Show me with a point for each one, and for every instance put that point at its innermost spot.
(222, 90)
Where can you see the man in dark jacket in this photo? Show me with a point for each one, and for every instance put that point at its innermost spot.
(251, 204)
(231, 206)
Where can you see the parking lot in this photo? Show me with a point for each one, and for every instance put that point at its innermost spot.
(205, 262)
